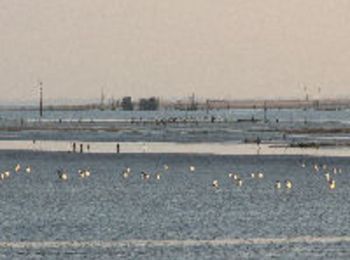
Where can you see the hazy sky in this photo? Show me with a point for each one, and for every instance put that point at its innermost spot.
(224, 48)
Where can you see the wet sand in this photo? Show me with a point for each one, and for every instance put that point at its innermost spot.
(175, 148)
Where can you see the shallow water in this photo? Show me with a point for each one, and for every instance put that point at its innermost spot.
(191, 127)
(284, 115)
(179, 216)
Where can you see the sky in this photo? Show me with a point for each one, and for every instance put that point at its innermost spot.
(237, 49)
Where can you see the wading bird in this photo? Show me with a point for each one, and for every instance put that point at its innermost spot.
(62, 175)
(215, 184)
(332, 184)
(278, 185)
(288, 184)
(28, 169)
(145, 176)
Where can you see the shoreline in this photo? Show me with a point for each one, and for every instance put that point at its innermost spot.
(163, 148)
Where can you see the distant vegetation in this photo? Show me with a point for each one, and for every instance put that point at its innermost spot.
(149, 103)
(146, 104)
(127, 104)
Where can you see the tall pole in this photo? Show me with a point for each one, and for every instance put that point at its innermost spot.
(41, 99)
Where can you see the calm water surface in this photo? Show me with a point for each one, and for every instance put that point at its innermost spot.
(106, 212)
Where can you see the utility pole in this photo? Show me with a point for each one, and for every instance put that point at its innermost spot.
(41, 99)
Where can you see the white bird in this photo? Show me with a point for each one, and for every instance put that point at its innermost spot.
(260, 175)
(2, 176)
(234, 176)
(84, 173)
(62, 175)
(239, 182)
(18, 167)
(252, 175)
(316, 168)
(145, 176)
(332, 184)
(7, 174)
(278, 185)
(81, 173)
(215, 184)
(335, 171)
(158, 176)
(288, 184)
(125, 174)
(166, 167)
(28, 169)
(328, 177)
(192, 168)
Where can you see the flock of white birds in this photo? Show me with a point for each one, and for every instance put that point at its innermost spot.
(325, 170)
(17, 169)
